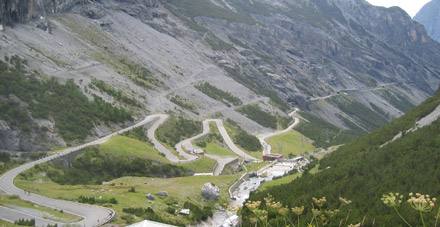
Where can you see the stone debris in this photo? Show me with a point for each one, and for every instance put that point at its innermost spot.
(150, 196)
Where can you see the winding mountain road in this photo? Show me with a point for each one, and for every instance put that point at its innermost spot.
(93, 215)
(157, 145)
(267, 149)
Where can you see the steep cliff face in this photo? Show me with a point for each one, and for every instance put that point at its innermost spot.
(22, 10)
(355, 65)
(429, 16)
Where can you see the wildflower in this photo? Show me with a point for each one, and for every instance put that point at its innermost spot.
(324, 220)
(316, 212)
(344, 201)
(276, 205)
(298, 210)
(320, 202)
(253, 205)
(234, 208)
(331, 213)
(269, 198)
(260, 213)
(356, 225)
(283, 210)
(253, 220)
(422, 203)
(392, 199)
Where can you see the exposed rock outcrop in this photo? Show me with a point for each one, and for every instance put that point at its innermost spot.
(162, 193)
(150, 196)
(22, 10)
(210, 191)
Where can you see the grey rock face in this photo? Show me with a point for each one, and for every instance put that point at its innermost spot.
(23, 10)
(210, 191)
(429, 16)
(162, 193)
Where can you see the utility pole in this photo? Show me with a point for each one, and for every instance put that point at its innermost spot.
(280, 147)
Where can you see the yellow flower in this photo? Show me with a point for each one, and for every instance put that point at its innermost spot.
(269, 198)
(253, 205)
(316, 212)
(253, 220)
(276, 205)
(344, 201)
(422, 203)
(331, 213)
(392, 199)
(233, 208)
(320, 202)
(283, 210)
(298, 210)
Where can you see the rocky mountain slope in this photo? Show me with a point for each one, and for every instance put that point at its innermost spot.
(350, 63)
(429, 16)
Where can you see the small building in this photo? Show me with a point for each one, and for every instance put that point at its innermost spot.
(184, 212)
(199, 151)
(272, 157)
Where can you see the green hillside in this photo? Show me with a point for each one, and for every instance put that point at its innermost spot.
(362, 171)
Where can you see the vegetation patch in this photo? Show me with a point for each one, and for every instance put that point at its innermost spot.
(117, 94)
(323, 133)
(238, 42)
(369, 119)
(213, 143)
(219, 95)
(263, 118)
(396, 100)
(240, 137)
(137, 134)
(218, 44)
(292, 143)
(92, 167)
(73, 113)
(246, 81)
(176, 129)
(184, 103)
(8, 162)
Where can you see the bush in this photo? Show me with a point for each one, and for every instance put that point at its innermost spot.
(24, 222)
(198, 214)
(170, 210)
(217, 94)
(92, 200)
(256, 114)
(247, 141)
(176, 129)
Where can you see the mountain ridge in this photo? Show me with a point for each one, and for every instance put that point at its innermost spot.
(335, 59)
(429, 17)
